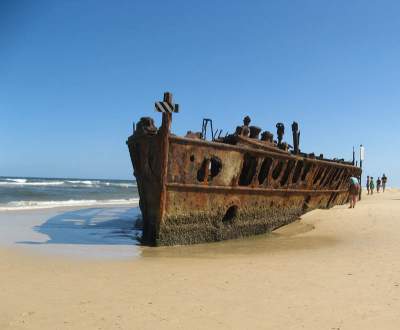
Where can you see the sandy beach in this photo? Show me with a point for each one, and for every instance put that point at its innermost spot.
(334, 269)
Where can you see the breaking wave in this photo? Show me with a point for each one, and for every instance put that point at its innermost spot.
(15, 180)
(84, 182)
(25, 183)
(29, 205)
(56, 182)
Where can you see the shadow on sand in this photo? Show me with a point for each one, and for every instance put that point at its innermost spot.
(122, 226)
(94, 226)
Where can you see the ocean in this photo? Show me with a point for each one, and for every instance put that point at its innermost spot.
(34, 193)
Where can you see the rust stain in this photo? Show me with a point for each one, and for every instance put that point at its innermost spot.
(193, 191)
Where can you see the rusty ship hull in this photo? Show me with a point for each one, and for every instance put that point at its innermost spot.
(194, 191)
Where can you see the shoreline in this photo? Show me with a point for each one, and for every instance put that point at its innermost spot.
(31, 230)
(71, 204)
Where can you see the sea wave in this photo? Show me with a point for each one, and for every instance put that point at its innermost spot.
(124, 185)
(73, 183)
(12, 180)
(100, 183)
(85, 182)
(25, 183)
(30, 205)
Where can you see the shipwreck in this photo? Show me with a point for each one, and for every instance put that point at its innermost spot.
(194, 190)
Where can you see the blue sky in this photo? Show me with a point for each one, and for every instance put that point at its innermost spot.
(75, 74)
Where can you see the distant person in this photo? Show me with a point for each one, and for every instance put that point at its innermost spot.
(354, 190)
(371, 185)
(378, 185)
(368, 179)
(384, 180)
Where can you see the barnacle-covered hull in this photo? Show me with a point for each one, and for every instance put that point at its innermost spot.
(194, 191)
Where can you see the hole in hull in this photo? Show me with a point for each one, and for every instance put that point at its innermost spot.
(288, 170)
(230, 214)
(210, 168)
(329, 181)
(307, 169)
(277, 170)
(297, 171)
(264, 170)
(248, 170)
(215, 166)
(318, 176)
(325, 177)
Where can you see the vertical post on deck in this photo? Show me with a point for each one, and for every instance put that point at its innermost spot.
(361, 161)
(164, 136)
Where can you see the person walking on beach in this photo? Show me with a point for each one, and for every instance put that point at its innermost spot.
(354, 190)
(371, 185)
(368, 184)
(384, 179)
(378, 185)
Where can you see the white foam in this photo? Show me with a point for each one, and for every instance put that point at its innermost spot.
(25, 183)
(15, 180)
(30, 205)
(117, 184)
(124, 185)
(77, 183)
(85, 182)
(100, 183)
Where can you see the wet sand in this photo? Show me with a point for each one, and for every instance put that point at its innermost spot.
(334, 269)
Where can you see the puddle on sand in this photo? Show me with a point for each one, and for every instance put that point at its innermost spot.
(283, 239)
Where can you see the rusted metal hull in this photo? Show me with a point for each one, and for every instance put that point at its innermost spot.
(194, 191)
